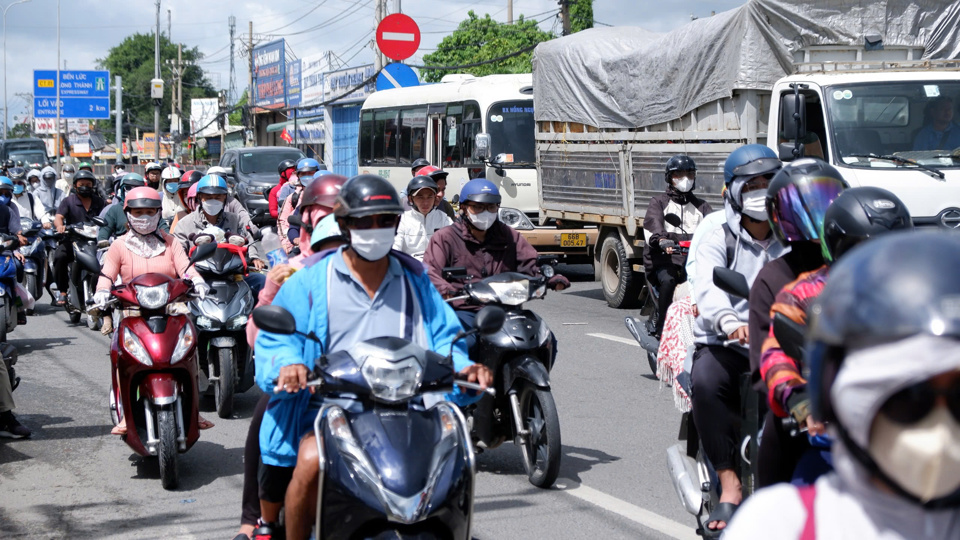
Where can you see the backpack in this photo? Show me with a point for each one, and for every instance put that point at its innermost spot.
(730, 240)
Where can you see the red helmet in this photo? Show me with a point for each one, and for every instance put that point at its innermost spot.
(322, 191)
(433, 172)
(142, 197)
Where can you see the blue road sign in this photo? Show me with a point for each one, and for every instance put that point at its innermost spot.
(83, 94)
(397, 76)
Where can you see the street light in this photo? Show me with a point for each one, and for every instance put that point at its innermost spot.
(5, 64)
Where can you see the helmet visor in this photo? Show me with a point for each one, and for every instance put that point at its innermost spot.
(797, 210)
(758, 167)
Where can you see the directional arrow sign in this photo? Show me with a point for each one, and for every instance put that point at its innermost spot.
(397, 76)
(398, 36)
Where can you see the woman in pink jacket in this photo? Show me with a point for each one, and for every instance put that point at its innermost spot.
(143, 249)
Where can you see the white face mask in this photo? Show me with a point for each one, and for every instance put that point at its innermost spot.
(683, 184)
(372, 244)
(144, 224)
(755, 204)
(484, 220)
(212, 206)
(924, 458)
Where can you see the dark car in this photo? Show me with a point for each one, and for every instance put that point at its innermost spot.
(25, 150)
(253, 172)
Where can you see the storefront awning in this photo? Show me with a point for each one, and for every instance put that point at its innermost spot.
(279, 126)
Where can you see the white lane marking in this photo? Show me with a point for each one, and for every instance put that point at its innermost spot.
(618, 339)
(398, 36)
(632, 512)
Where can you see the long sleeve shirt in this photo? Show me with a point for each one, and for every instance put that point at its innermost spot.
(120, 261)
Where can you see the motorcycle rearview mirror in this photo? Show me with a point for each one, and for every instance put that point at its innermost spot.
(295, 221)
(730, 282)
(489, 320)
(789, 334)
(98, 221)
(203, 252)
(455, 199)
(674, 220)
(275, 319)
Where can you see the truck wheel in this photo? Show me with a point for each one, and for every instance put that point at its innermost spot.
(621, 287)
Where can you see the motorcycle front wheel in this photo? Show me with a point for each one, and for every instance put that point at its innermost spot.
(167, 449)
(224, 389)
(542, 449)
(30, 283)
(4, 315)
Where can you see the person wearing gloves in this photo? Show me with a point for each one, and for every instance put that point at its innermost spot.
(48, 195)
(79, 207)
(418, 224)
(233, 205)
(661, 260)
(743, 244)
(374, 287)
(144, 249)
(306, 170)
(170, 182)
(884, 361)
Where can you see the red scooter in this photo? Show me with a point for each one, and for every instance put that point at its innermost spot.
(155, 352)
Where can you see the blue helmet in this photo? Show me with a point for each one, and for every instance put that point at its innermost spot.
(6, 183)
(326, 229)
(307, 180)
(749, 161)
(480, 190)
(307, 164)
(212, 185)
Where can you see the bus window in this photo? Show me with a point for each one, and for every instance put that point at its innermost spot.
(413, 135)
(385, 137)
(471, 126)
(510, 125)
(450, 141)
(366, 138)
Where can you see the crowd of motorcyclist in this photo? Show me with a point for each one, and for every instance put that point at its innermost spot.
(879, 378)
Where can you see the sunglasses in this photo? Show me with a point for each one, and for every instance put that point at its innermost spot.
(376, 221)
(914, 403)
(480, 207)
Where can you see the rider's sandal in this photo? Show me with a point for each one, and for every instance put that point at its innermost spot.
(106, 325)
(723, 512)
(118, 430)
(203, 423)
(61, 300)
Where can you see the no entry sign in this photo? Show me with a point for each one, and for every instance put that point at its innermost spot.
(398, 36)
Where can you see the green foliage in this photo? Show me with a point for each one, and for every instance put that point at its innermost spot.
(20, 131)
(133, 59)
(581, 15)
(482, 39)
(236, 117)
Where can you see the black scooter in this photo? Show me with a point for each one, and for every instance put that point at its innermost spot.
(521, 356)
(390, 467)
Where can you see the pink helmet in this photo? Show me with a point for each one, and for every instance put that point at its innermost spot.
(142, 197)
(192, 198)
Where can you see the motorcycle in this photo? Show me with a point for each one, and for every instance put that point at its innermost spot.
(8, 285)
(226, 359)
(35, 258)
(390, 466)
(521, 355)
(84, 271)
(154, 350)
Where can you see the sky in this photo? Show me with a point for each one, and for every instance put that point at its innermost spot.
(89, 28)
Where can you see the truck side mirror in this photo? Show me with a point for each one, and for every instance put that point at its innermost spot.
(481, 147)
(793, 126)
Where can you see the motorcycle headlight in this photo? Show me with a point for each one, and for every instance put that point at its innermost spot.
(186, 340)
(512, 293)
(205, 322)
(132, 344)
(515, 219)
(236, 323)
(392, 381)
(153, 297)
(88, 231)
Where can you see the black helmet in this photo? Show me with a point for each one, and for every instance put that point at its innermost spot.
(68, 168)
(417, 163)
(17, 173)
(286, 164)
(679, 162)
(421, 182)
(798, 197)
(9, 164)
(858, 214)
(83, 174)
(48, 175)
(366, 195)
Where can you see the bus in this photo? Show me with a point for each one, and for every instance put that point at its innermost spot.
(440, 122)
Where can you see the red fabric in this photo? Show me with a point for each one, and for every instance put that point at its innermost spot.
(272, 196)
(676, 337)
(808, 494)
(239, 250)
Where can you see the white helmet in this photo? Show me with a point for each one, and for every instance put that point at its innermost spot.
(217, 170)
(170, 173)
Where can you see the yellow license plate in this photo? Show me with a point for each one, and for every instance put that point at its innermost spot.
(573, 240)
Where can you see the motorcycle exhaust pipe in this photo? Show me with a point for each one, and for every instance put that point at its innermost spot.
(683, 474)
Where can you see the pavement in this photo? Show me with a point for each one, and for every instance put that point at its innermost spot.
(72, 479)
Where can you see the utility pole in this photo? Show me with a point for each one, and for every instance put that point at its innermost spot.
(57, 146)
(118, 90)
(250, 102)
(176, 97)
(169, 28)
(156, 75)
(232, 91)
(221, 117)
(509, 11)
(379, 14)
(565, 16)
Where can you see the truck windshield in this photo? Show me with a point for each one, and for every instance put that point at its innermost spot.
(28, 156)
(510, 125)
(266, 162)
(892, 124)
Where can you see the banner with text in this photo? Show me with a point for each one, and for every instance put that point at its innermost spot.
(337, 83)
(203, 116)
(269, 69)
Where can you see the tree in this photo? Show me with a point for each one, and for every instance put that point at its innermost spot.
(484, 39)
(581, 15)
(20, 131)
(236, 117)
(133, 59)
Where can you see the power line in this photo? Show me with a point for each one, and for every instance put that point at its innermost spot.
(298, 19)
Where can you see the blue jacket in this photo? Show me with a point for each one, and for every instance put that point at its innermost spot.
(304, 295)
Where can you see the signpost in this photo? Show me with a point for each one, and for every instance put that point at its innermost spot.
(397, 76)
(83, 94)
(398, 36)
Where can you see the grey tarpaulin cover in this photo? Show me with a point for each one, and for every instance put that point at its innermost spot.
(625, 77)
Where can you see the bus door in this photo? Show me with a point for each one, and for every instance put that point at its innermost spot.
(435, 115)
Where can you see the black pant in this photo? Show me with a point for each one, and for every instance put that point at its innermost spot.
(668, 277)
(251, 464)
(716, 401)
(62, 258)
(779, 452)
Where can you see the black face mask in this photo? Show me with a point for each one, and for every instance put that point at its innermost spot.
(84, 191)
